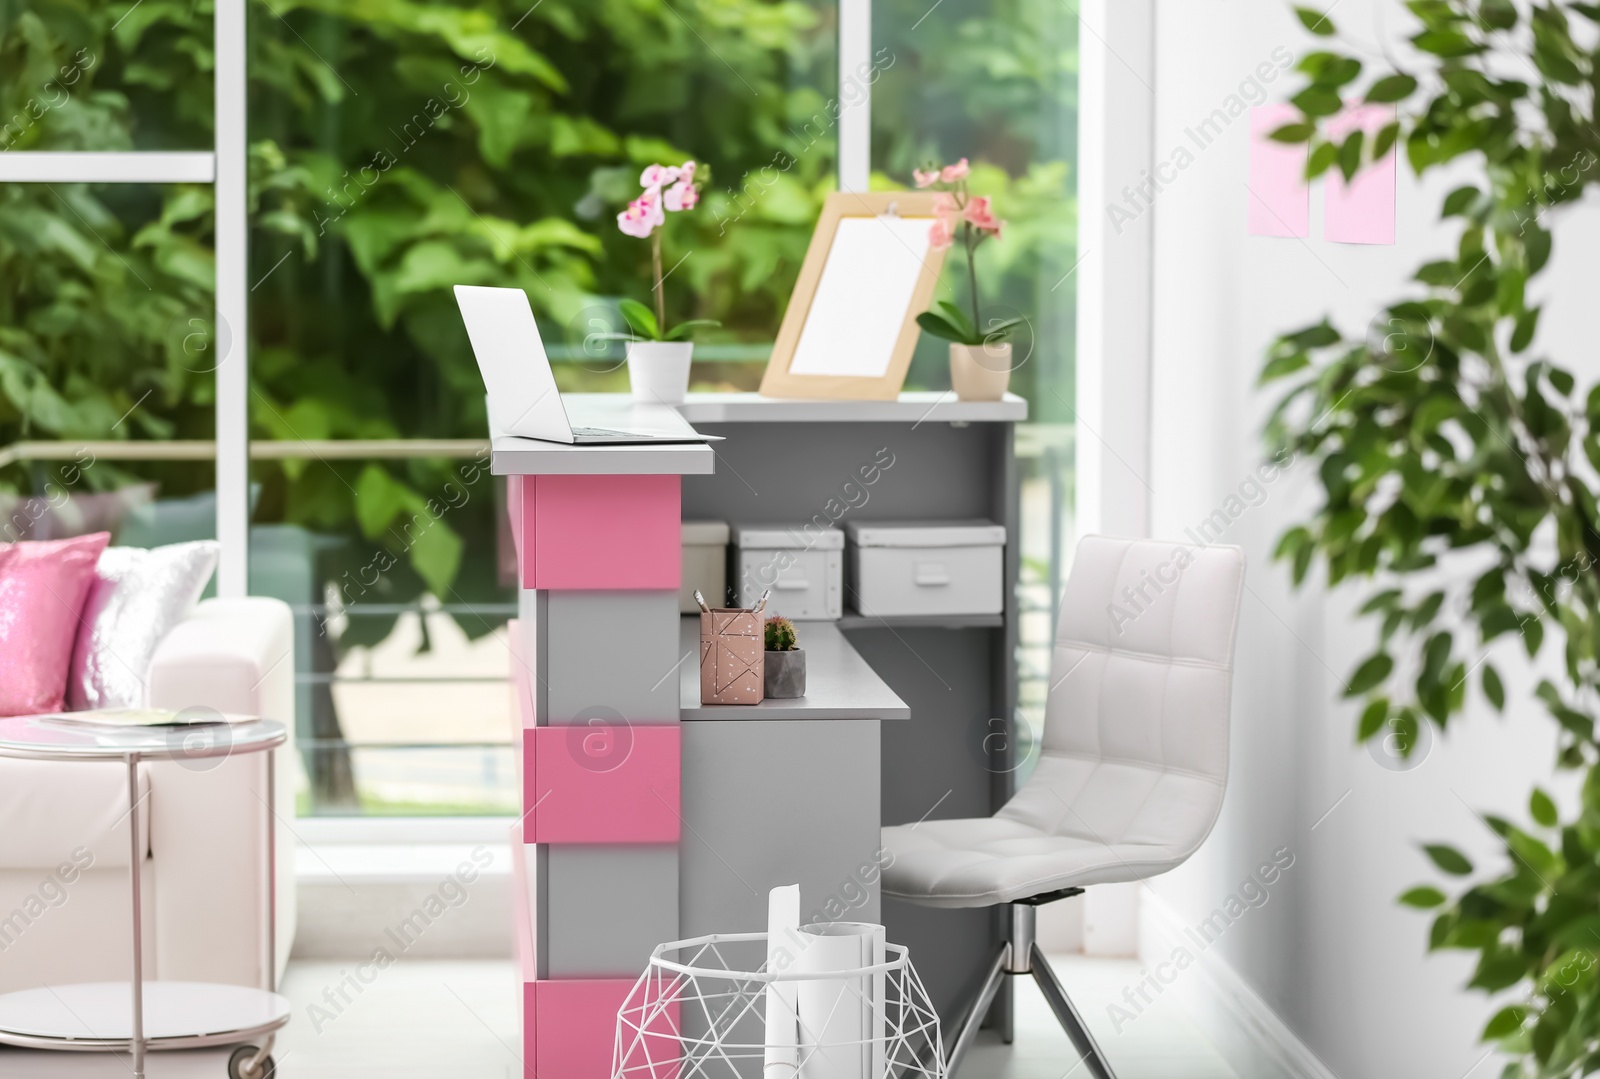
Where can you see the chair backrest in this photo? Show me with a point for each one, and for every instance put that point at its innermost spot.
(1135, 747)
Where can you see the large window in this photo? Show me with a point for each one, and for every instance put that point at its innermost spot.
(996, 81)
(396, 149)
(426, 145)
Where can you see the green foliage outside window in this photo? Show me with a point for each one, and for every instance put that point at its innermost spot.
(403, 146)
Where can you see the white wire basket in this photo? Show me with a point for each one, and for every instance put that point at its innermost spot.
(708, 1008)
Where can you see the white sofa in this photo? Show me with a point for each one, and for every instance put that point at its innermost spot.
(65, 906)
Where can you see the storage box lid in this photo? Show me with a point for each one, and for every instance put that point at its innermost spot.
(787, 537)
(926, 533)
(705, 532)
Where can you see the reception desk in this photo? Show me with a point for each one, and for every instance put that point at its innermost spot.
(649, 816)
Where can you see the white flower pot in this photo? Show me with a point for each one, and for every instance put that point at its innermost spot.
(658, 371)
(980, 372)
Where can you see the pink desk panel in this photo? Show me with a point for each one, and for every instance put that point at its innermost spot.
(608, 784)
(583, 532)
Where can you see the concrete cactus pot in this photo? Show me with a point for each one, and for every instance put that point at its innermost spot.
(786, 674)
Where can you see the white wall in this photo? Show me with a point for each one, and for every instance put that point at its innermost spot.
(1330, 952)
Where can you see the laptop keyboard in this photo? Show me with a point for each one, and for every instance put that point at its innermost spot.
(600, 431)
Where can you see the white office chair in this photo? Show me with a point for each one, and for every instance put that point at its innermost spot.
(1131, 773)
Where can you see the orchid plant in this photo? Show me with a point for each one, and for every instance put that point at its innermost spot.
(667, 189)
(957, 208)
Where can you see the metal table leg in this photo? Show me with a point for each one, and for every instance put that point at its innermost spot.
(134, 869)
(272, 872)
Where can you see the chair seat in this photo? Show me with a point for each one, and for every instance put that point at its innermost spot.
(982, 861)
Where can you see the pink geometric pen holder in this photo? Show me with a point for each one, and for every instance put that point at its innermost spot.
(732, 656)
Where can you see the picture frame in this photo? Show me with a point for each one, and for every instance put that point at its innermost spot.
(851, 324)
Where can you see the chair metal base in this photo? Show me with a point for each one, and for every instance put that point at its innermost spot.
(1021, 955)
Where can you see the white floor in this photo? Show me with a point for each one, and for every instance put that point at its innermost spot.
(423, 1019)
(1162, 1043)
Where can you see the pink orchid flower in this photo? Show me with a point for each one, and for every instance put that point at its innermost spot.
(980, 214)
(925, 179)
(680, 196)
(945, 205)
(951, 173)
(686, 171)
(942, 233)
(642, 215)
(657, 176)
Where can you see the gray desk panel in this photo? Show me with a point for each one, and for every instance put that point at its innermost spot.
(606, 907)
(785, 802)
(601, 652)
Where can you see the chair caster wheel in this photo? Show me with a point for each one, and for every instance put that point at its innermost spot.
(239, 1065)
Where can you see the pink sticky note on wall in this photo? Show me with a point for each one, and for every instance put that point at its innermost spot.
(1279, 199)
(1361, 211)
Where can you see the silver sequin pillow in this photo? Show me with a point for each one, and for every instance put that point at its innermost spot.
(137, 598)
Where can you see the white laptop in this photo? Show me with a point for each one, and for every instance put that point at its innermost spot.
(523, 399)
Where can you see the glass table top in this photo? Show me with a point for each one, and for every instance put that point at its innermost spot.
(196, 734)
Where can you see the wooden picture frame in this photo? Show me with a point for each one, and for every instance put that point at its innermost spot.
(884, 260)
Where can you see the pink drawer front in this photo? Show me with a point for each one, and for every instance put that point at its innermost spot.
(591, 532)
(602, 784)
(569, 1031)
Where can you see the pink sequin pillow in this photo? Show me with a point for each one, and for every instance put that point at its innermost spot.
(43, 587)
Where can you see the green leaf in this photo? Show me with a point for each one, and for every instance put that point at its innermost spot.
(1449, 44)
(958, 318)
(1279, 366)
(1293, 133)
(1391, 88)
(1498, 14)
(1543, 808)
(1384, 141)
(684, 329)
(1423, 898)
(1460, 200)
(1448, 859)
(1527, 325)
(1321, 160)
(1439, 274)
(1537, 243)
(1372, 719)
(1315, 21)
(1350, 154)
(1493, 689)
(1499, 970)
(940, 327)
(641, 318)
(1370, 674)
(1506, 1021)
(1316, 101)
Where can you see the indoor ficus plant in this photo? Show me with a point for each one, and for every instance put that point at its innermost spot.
(1444, 439)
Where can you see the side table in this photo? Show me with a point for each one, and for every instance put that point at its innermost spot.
(140, 1016)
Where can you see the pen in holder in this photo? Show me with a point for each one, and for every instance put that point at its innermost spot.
(732, 654)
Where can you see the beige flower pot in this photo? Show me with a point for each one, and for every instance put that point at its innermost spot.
(980, 372)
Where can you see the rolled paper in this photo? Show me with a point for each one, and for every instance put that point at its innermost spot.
(782, 1058)
(841, 1020)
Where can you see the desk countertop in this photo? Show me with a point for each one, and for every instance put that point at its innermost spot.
(913, 407)
(839, 683)
(529, 456)
(512, 455)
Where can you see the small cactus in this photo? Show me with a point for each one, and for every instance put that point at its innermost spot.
(780, 635)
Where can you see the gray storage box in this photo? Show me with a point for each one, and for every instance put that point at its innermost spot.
(927, 567)
(705, 565)
(802, 564)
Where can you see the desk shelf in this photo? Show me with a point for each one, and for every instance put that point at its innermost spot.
(921, 621)
(839, 683)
